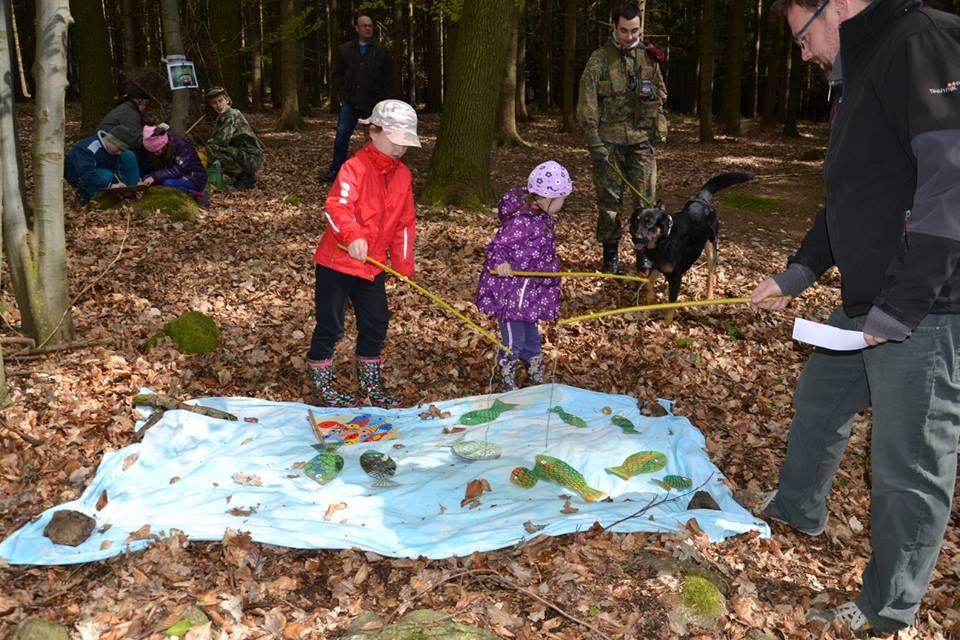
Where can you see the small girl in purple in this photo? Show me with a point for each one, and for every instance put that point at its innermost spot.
(524, 242)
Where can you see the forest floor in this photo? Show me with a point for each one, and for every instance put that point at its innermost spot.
(246, 261)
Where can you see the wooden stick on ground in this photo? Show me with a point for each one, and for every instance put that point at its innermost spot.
(24, 435)
(33, 354)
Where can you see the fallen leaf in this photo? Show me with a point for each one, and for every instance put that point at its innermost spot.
(143, 533)
(102, 500)
(242, 512)
(247, 479)
(449, 430)
(475, 489)
(129, 461)
(251, 419)
(855, 525)
(175, 479)
(106, 544)
(568, 508)
(332, 509)
(533, 528)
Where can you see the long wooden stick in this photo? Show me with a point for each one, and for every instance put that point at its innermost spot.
(644, 199)
(440, 301)
(654, 307)
(572, 274)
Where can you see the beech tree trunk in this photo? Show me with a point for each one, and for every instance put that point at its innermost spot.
(225, 63)
(507, 134)
(290, 118)
(460, 164)
(705, 99)
(36, 248)
(173, 45)
(93, 50)
(731, 97)
(568, 103)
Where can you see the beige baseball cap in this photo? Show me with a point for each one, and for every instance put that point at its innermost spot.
(398, 120)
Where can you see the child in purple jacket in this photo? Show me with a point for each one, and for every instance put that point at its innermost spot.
(524, 242)
(173, 162)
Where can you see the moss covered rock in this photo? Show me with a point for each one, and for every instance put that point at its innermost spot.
(416, 625)
(176, 204)
(37, 629)
(702, 598)
(192, 332)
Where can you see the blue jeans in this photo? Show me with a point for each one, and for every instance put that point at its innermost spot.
(346, 123)
(914, 389)
(181, 184)
(127, 170)
(522, 338)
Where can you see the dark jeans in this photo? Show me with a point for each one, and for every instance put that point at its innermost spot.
(522, 338)
(346, 123)
(914, 389)
(369, 299)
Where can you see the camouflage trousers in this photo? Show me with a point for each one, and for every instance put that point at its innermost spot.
(638, 164)
(235, 160)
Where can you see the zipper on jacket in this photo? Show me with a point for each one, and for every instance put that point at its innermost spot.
(523, 291)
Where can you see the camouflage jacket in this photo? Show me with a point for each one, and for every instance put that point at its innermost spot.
(231, 129)
(609, 110)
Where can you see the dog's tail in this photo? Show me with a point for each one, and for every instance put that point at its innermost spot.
(722, 181)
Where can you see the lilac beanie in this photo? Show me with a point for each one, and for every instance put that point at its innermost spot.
(550, 180)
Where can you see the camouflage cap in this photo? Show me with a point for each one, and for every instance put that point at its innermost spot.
(398, 120)
(213, 92)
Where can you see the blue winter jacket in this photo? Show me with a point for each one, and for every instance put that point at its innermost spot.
(85, 158)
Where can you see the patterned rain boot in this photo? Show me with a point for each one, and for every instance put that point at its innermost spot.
(369, 373)
(535, 369)
(508, 375)
(324, 393)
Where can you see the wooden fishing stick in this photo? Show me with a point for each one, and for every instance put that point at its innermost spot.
(644, 199)
(440, 301)
(656, 307)
(571, 274)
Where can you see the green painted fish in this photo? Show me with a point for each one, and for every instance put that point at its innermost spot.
(491, 413)
(569, 418)
(640, 462)
(380, 467)
(558, 471)
(324, 467)
(624, 424)
(673, 482)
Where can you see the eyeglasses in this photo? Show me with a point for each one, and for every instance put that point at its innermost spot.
(798, 37)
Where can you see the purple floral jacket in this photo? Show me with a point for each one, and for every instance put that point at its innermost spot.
(526, 242)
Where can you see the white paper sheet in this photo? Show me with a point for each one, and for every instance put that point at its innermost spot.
(823, 335)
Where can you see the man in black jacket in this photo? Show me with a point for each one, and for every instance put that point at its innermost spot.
(891, 225)
(362, 74)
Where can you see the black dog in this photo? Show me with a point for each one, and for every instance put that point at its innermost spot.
(669, 243)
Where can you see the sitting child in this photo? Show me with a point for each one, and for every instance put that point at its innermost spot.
(103, 160)
(233, 143)
(524, 242)
(173, 162)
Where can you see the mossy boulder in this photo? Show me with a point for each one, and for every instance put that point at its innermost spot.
(176, 204)
(416, 625)
(37, 629)
(192, 332)
(702, 598)
(192, 617)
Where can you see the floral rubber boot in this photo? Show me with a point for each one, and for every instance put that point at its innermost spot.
(325, 394)
(370, 375)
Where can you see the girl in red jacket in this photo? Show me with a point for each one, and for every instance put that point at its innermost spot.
(370, 211)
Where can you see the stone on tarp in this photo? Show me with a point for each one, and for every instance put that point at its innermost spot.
(69, 527)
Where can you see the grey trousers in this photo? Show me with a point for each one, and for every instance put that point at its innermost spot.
(914, 389)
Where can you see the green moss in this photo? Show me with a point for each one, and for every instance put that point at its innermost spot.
(415, 625)
(37, 629)
(683, 342)
(701, 597)
(192, 332)
(176, 204)
(106, 199)
(292, 199)
(192, 617)
(750, 202)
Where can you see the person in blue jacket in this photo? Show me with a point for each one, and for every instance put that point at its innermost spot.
(103, 160)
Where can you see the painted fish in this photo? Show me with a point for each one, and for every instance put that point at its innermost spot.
(569, 418)
(324, 467)
(640, 462)
(673, 482)
(491, 413)
(380, 467)
(558, 471)
(476, 449)
(624, 424)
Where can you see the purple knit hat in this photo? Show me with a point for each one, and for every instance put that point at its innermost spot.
(550, 180)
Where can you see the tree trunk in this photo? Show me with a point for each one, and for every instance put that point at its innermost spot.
(705, 101)
(173, 45)
(411, 57)
(460, 164)
(224, 64)
(568, 105)
(793, 97)
(774, 64)
(507, 134)
(546, 65)
(435, 46)
(290, 118)
(753, 92)
(255, 33)
(132, 34)
(521, 67)
(37, 256)
(96, 78)
(333, 41)
(731, 100)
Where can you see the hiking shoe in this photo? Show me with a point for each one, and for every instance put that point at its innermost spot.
(767, 498)
(850, 617)
(244, 181)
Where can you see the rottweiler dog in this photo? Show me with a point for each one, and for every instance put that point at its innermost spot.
(669, 243)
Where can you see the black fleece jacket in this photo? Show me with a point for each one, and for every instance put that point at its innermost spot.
(362, 80)
(891, 222)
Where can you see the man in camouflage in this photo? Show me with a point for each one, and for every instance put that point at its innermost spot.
(233, 143)
(622, 96)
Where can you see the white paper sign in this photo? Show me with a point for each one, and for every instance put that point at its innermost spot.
(822, 335)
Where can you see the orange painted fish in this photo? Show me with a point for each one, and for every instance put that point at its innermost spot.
(640, 462)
